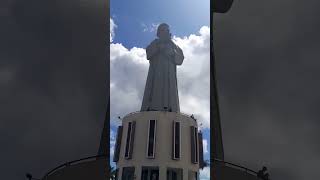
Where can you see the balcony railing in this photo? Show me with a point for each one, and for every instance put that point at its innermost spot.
(229, 164)
(71, 163)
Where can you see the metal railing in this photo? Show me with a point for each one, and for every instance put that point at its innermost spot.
(136, 112)
(247, 170)
(71, 163)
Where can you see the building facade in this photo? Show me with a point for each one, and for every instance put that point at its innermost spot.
(155, 145)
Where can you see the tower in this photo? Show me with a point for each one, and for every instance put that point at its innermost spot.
(159, 142)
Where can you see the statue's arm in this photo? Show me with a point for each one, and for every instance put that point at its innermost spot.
(152, 49)
(178, 55)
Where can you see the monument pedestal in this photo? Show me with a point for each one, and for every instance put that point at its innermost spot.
(158, 145)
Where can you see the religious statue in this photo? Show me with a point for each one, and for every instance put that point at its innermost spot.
(161, 91)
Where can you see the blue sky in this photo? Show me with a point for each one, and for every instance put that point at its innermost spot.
(135, 27)
(184, 17)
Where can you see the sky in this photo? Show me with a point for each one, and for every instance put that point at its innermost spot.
(52, 82)
(143, 15)
(267, 61)
(53, 72)
(132, 29)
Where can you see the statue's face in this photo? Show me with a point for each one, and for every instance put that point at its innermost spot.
(164, 32)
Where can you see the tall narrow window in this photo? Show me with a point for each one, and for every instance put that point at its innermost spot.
(201, 160)
(118, 145)
(151, 138)
(130, 140)
(176, 140)
(194, 144)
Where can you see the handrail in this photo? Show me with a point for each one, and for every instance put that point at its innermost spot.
(136, 112)
(71, 163)
(238, 166)
(100, 156)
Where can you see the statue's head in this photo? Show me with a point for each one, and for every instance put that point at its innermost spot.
(163, 31)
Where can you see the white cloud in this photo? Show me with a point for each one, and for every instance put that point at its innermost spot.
(129, 69)
(205, 173)
(205, 145)
(194, 75)
(149, 28)
(112, 28)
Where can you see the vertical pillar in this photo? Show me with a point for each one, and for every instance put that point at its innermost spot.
(138, 172)
(162, 172)
(185, 174)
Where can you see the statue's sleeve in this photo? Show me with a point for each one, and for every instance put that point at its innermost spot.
(178, 56)
(151, 50)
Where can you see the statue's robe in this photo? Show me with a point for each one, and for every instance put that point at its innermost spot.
(161, 91)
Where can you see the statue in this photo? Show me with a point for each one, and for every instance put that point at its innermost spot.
(161, 91)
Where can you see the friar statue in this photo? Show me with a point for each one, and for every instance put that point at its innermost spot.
(161, 91)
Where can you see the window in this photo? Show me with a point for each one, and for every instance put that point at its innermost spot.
(176, 140)
(194, 144)
(117, 145)
(130, 140)
(128, 173)
(150, 173)
(174, 174)
(201, 160)
(151, 138)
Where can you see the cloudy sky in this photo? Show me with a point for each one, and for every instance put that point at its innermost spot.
(53, 83)
(129, 66)
(53, 72)
(268, 71)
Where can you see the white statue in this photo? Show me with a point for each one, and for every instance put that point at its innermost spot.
(161, 91)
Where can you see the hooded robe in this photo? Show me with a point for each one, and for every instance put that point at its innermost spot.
(161, 90)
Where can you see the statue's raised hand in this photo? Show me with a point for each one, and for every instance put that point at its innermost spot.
(169, 51)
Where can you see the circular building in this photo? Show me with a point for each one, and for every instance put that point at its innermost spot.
(155, 145)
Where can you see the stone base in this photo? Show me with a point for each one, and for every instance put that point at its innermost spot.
(163, 159)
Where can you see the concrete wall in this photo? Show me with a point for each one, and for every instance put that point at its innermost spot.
(163, 148)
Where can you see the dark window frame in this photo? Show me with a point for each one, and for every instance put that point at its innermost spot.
(201, 155)
(174, 139)
(174, 172)
(149, 170)
(152, 156)
(130, 169)
(130, 140)
(194, 144)
(118, 144)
